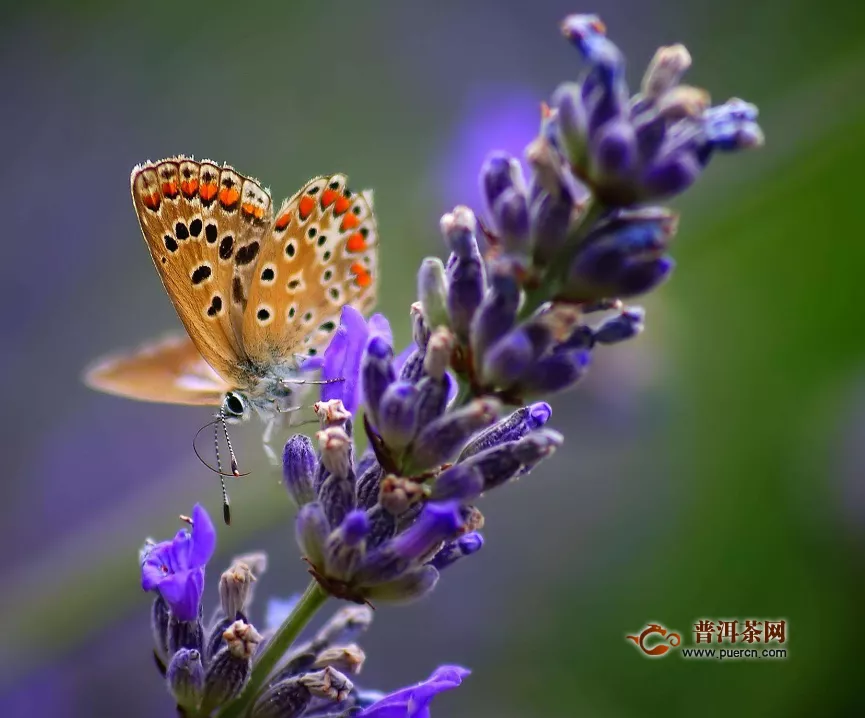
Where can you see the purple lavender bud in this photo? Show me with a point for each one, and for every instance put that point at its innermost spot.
(465, 272)
(733, 126)
(215, 642)
(287, 698)
(291, 697)
(337, 490)
(235, 586)
(433, 292)
(408, 587)
(185, 634)
(432, 398)
(550, 218)
(453, 551)
(513, 427)
(312, 530)
(641, 277)
(500, 172)
(613, 150)
(228, 672)
(665, 70)
(496, 314)
(345, 546)
(604, 265)
(556, 372)
(511, 216)
(412, 368)
(378, 373)
(185, 678)
(508, 360)
(504, 462)
(299, 465)
(670, 174)
(458, 228)
(397, 415)
(382, 525)
(367, 485)
(437, 522)
(441, 440)
(572, 121)
(650, 131)
(458, 483)
(465, 293)
(159, 618)
(625, 326)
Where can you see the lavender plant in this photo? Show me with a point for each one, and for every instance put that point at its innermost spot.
(506, 326)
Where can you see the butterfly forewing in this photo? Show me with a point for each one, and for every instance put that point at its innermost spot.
(319, 255)
(192, 218)
(170, 370)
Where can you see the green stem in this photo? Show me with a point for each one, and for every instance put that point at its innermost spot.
(464, 392)
(557, 273)
(312, 600)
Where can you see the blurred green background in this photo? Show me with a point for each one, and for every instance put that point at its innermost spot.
(714, 467)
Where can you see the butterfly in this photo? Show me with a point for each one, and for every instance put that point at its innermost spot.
(257, 291)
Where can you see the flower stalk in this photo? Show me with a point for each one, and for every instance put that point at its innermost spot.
(277, 647)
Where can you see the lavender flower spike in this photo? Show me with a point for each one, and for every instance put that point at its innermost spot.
(656, 144)
(176, 568)
(414, 702)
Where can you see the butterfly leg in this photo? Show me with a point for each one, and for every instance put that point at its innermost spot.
(265, 441)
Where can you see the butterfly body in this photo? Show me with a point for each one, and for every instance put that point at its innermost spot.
(257, 291)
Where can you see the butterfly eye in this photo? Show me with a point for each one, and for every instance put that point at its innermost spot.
(234, 405)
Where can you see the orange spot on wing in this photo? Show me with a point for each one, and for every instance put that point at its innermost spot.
(328, 197)
(350, 221)
(356, 243)
(341, 205)
(307, 204)
(152, 200)
(253, 210)
(169, 189)
(228, 196)
(208, 191)
(282, 221)
(189, 187)
(362, 276)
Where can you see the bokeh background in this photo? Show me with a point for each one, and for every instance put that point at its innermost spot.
(714, 466)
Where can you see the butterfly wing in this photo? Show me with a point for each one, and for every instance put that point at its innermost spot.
(171, 370)
(319, 255)
(201, 223)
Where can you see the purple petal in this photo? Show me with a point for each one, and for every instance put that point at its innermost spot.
(413, 702)
(182, 592)
(203, 538)
(152, 573)
(380, 326)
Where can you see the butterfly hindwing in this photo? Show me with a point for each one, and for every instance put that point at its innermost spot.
(170, 370)
(319, 255)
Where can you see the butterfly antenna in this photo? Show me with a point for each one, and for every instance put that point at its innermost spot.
(234, 469)
(226, 509)
(201, 459)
